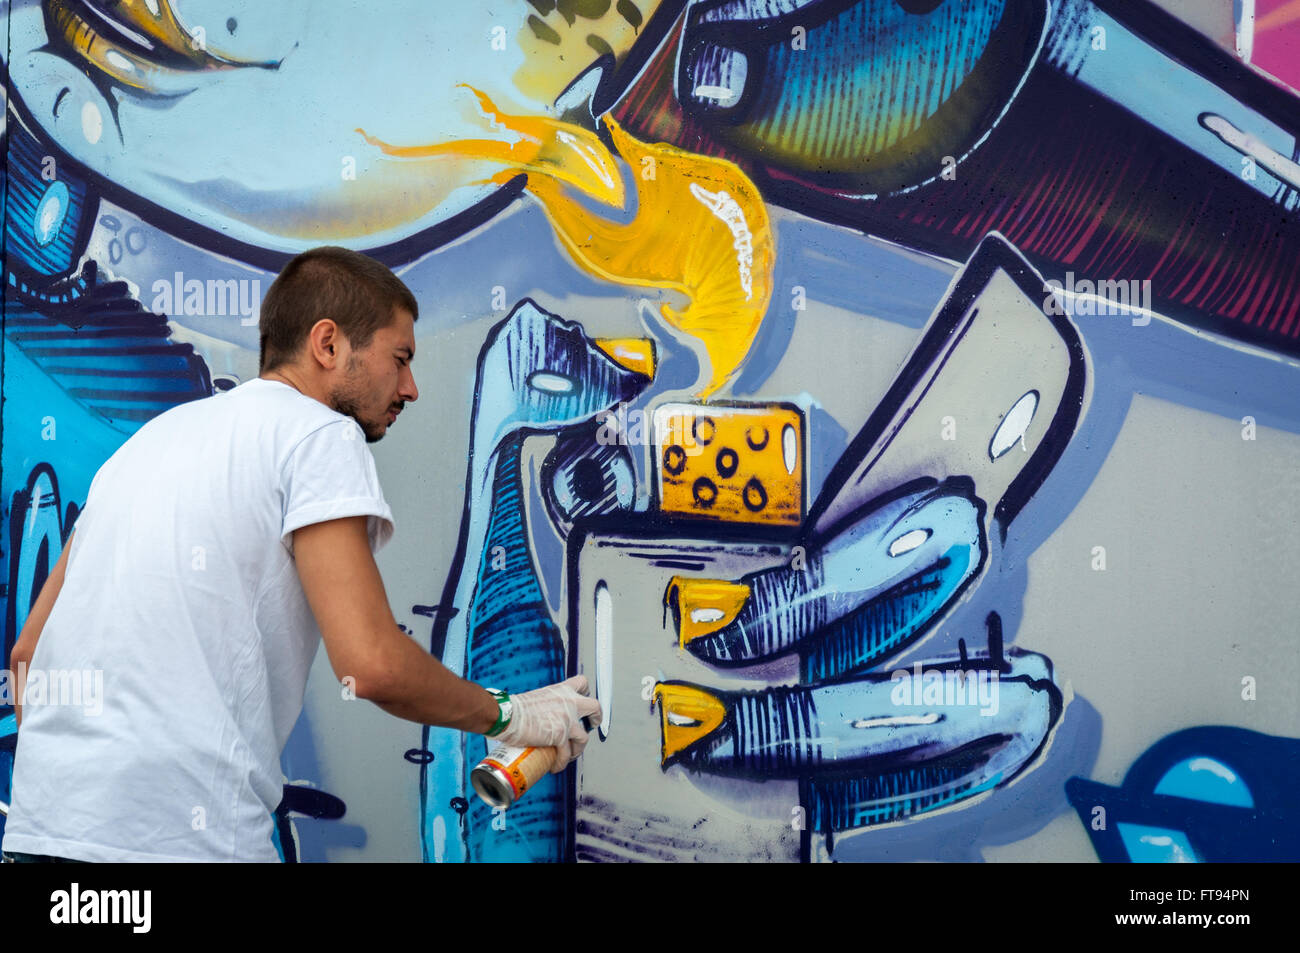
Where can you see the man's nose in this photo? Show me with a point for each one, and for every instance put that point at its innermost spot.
(409, 391)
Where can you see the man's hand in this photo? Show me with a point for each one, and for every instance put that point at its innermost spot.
(346, 594)
(552, 717)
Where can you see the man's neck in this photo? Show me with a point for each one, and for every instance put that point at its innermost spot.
(290, 377)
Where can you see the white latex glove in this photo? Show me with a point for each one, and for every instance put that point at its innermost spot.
(551, 717)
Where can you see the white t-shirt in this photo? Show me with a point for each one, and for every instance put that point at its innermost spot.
(181, 590)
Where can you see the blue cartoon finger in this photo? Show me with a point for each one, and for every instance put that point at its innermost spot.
(866, 592)
(878, 747)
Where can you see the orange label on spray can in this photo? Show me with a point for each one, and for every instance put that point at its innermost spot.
(520, 767)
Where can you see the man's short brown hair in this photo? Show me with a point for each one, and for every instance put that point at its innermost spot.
(358, 293)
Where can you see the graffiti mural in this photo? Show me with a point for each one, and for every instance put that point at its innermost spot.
(891, 406)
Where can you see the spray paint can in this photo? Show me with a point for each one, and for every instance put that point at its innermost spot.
(506, 773)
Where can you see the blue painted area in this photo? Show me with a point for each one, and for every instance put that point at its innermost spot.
(49, 211)
(8, 739)
(83, 441)
(1156, 845)
(1212, 794)
(275, 839)
(1205, 779)
(513, 642)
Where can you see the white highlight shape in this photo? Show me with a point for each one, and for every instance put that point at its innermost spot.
(50, 212)
(1164, 840)
(887, 722)
(1245, 16)
(604, 658)
(728, 211)
(586, 155)
(120, 61)
(1272, 161)
(550, 383)
(439, 839)
(789, 448)
(92, 123)
(1012, 429)
(725, 95)
(1214, 767)
(38, 492)
(706, 615)
(908, 542)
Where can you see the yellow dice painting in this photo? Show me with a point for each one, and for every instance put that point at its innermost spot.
(739, 463)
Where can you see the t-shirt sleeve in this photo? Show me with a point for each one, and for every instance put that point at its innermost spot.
(331, 474)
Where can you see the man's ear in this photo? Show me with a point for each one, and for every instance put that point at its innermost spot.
(328, 348)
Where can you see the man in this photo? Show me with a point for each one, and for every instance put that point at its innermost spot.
(217, 546)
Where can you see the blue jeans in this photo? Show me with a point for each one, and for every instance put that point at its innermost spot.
(18, 857)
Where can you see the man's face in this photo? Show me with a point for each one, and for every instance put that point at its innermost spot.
(377, 381)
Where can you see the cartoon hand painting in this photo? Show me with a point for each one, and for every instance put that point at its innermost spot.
(780, 668)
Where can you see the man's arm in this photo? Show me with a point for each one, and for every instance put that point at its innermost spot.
(25, 647)
(346, 594)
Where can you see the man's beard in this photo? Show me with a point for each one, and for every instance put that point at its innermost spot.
(344, 401)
